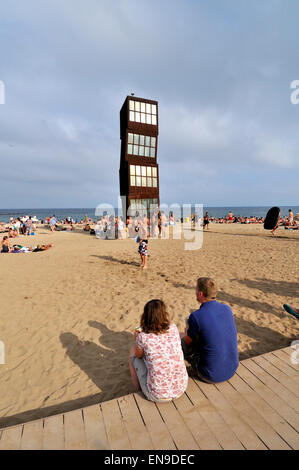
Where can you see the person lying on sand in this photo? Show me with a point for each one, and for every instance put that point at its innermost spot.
(292, 310)
(34, 249)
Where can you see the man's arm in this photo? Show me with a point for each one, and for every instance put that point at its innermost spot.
(188, 340)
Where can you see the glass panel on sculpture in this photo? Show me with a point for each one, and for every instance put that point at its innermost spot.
(137, 106)
(131, 105)
(143, 170)
(138, 180)
(152, 152)
(149, 182)
(143, 181)
(130, 148)
(146, 151)
(154, 120)
(137, 170)
(141, 139)
(143, 118)
(147, 141)
(149, 171)
(148, 108)
(148, 119)
(154, 182)
(141, 151)
(154, 109)
(130, 138)
(153, 141)
(131, 115)
(135, 149)
(154, 170)
(136, 139)
(132, 180)
(132, 169)
(142, 107)
(137, 117)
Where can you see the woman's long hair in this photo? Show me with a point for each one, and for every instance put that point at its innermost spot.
(155, 318)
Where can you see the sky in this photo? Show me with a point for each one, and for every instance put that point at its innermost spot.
(220, 70)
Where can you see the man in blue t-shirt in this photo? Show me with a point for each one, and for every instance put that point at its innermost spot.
(210, 343)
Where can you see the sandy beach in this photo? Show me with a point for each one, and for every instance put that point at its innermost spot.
(67, 314)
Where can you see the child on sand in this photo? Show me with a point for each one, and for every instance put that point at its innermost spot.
(156, 361)
(143, 242)
(142, 250)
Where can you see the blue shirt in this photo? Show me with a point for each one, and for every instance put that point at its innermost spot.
(213, 329)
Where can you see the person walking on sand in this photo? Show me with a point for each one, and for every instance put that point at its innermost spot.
(210, 343)
(206, 221)
(143, 242)
(156, 361)
(53, 223)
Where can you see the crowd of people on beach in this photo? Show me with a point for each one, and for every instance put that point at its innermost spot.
(18, 226)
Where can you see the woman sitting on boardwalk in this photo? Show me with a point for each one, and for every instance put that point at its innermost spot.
(156, 362)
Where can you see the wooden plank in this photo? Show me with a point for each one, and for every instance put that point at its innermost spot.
(262, 408)
(277, 374)
(215, 422)
(32, 437)
(53, 434)
(96, 437)
(139, 436)
(74, 431)
(278, 409)
(11, 438)
(289, 352)
(195, 423)
(265, 432)
(275, 387)
(156, 427)
(240, 428)
(283, 363)
(286, 358)
(115, 428)
(180, 433)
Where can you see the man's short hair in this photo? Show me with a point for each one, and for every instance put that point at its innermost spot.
(208, 287)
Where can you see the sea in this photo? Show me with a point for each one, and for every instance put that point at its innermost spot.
(80, 213)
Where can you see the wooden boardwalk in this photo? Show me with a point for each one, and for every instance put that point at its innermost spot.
(256, 409)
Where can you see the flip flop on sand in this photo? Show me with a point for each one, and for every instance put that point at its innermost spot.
(290, 310)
